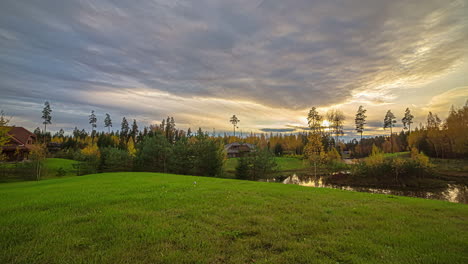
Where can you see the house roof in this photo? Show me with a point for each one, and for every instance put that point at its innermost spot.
(229, 149)
(20, 134)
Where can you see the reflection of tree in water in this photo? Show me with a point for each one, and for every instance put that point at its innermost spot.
(453, 192)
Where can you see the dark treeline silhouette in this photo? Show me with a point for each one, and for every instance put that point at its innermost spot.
(436, 138)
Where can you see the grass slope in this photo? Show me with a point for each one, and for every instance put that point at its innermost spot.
(53, 164)
(284, 164)
(160, 218)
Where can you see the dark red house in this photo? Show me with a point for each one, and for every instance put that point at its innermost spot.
(20, 144)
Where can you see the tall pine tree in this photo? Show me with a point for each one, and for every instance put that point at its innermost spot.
(407, 120)
(389, 122)
(108, 122)
(360, 120)
(46, 115)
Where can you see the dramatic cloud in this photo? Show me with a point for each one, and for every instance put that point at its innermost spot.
(202, 61)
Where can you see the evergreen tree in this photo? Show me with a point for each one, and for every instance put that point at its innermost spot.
(360, 120)
(234, 121)
(124, 131)
(407, 120)
(433, 121)
(314, 120)
(46, 115)
(108, 122)
(93, 121)
(336, 119)
(389, 122)
(134, 131)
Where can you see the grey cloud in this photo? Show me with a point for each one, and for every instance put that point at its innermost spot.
(290, 54)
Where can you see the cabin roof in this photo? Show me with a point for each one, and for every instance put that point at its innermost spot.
(20, 134)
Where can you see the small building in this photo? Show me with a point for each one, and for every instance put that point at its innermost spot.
(236, 149)
(20, 144)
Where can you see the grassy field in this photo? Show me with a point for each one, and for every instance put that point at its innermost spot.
(158, 218)
(284, 164)
(11, 172)
(52, 165)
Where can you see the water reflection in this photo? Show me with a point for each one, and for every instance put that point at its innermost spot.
(456, 193)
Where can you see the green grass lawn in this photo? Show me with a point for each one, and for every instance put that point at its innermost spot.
(158, 218)
(11, 172)
(284, 164)
(54, 164)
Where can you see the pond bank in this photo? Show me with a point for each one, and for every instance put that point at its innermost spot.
(436, 189)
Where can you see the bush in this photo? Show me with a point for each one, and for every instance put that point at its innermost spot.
(114, 159)
(377, 166)
(153, 154)
(199, 155)
(60, 172)
(258, 165)
(90, 160)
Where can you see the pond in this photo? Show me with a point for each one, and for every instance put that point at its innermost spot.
(456, 193)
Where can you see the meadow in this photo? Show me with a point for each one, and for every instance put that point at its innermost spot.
(284, 164)
(53, 165)
(163, 218)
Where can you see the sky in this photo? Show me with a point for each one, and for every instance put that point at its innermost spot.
(266, 61)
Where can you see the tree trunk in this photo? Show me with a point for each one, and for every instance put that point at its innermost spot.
(391, 138)
(315, 167)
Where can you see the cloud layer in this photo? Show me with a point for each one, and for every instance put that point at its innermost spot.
(205, 60)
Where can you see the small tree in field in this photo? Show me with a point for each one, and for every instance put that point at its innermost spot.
(314, 150)
(37, 155)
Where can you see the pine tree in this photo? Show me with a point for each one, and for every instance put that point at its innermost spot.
(314, 150)
(336, 119)
(124, 130)
(407, 120)
(433, 121)
(234, 121)
(46, 115)
(314, 120)
(360, 120)
(134, 131)
(389, 122)
(108, 122)
(92, 121)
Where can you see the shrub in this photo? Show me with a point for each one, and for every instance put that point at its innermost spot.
(153, 154)
(60, 172)
(257, 165)
(114, 159)
(377, 166)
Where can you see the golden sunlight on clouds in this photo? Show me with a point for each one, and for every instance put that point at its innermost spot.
(442, 102)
